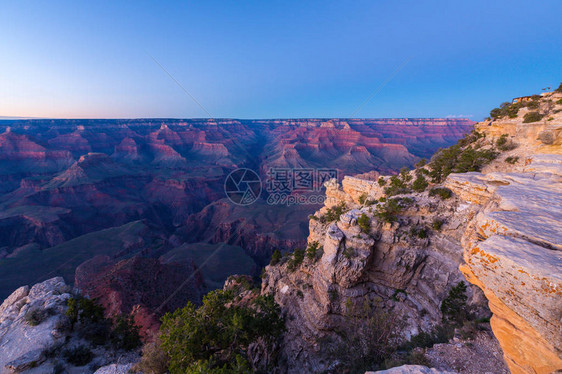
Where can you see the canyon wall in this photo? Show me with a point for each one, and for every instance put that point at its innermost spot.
(500, 230)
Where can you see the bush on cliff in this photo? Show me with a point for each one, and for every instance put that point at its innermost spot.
(532, 117)
(367, 338)
(87, 317)
(275, 257)
(364, 223)
(420, 184)
(215, 338)
(334, 213)
(314, 251)
(388, 212)
(453, 307)
(296, 260)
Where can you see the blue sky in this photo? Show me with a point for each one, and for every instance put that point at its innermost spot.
(274, 59)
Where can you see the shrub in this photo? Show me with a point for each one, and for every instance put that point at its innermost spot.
(559, 89)
(362, 198)
(333, 294)
(92, 325)
(559, 102)
(125, 334)
(364, 223)
(504, 144)
(453, 306)
(437, 224)
(397, 186)
(216, 336)
(349, 252)
(35, 316)
(420, 184)
(313, 251)
(78, 356)
(532, 117)
(154, 360)
(388, 212)
(442, 192)
(368, 338)
(421, 163)
(512, 159)
(275, 257)
(296, 260)
(334, 213)
(397, 292)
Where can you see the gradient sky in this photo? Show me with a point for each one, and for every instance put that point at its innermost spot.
(274, 59)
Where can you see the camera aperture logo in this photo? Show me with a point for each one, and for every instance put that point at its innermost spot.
(242, 186)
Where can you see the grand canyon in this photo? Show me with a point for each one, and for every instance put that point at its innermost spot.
(75, 189)
(261, 187)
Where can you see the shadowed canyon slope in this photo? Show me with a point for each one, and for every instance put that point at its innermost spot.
(73, 189)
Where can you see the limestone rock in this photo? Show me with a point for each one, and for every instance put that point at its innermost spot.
(115, 369)
(22, 343)
(411, 369)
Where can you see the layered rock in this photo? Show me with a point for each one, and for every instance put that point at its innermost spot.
(502, 226)
(402, 273)
(512, 247)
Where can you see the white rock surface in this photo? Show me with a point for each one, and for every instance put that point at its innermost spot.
(22, 345)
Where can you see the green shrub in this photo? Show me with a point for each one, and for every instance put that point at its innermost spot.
(437, 224)
(296, 260)
(215, 337)
(420, 184)
(334, 213)
(125, 334)
(364, 223)
(381, 181)
(532, 117)
(333, 294)
(559, 89)
(559, 102)
(154, 360)
(453, 306)
(397, 292)
(442, 192)
(314, 251)
(349, 252)
(512, 159)
(35, 316)
(362, 198)
(78, 356)
(421, 163)
(397, 186)
(504, 143)
(275, 257)
(388, 212)
(368, 338)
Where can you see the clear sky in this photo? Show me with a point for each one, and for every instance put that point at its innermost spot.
(274, 59)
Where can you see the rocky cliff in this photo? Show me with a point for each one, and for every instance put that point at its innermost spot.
(499, 220)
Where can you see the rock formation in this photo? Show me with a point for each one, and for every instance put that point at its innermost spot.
(502, 225)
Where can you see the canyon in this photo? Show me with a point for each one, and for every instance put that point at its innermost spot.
(71, 190)
(454, 263)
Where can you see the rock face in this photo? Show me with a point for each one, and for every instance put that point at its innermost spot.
(502, 226)
(411, 369)
(402, 272)
(139, 286)
(513, 245)
(36, 335)
(22, 344)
